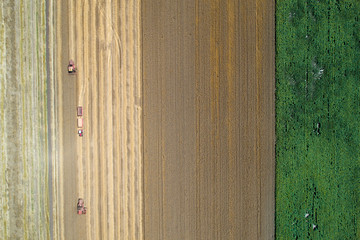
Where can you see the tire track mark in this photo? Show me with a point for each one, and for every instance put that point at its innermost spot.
(83, 100)
(52, 119)
(249, 118)
(102, 169)
(139, 230)
(61, 209)
(117, 129)
(93, 107)
(125, 170)
(109, 122)
(72, 22)
(130, 121)
(79, 43)
(259, 77)
(215, 117)
(265, 70)
(232, 117)
(4, 210)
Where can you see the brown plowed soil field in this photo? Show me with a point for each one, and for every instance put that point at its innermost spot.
(179, 116)
(208, 103)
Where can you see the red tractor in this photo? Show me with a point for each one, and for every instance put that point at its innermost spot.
(81, 209)
(80, 132)
(71, 67)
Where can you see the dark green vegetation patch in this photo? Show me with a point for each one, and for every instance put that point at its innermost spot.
(317, 119)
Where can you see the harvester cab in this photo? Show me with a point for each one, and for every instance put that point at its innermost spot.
(80, 132)
(71, 67)
(81, 209)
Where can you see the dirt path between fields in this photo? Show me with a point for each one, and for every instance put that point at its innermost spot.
(208, 100)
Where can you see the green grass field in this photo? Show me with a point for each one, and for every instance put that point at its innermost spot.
(317, 119)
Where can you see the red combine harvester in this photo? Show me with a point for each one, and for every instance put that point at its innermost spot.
(71, 67)
(81, 209)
